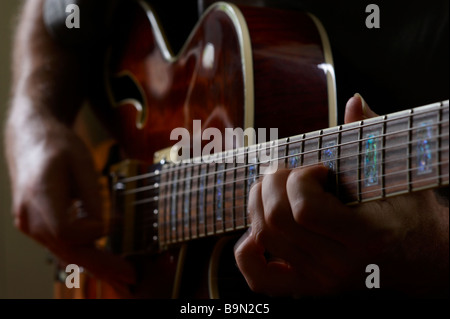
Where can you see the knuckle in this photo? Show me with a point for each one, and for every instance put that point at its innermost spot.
(295, 177)
(302, 212)
(259, 235)
(274, 214)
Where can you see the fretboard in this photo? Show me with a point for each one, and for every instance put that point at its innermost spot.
(372, 159)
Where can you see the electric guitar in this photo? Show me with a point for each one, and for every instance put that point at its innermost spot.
(242, 67)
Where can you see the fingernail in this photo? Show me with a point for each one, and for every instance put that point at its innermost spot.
(367, 112)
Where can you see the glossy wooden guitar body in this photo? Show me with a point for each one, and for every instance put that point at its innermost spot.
(241, 67)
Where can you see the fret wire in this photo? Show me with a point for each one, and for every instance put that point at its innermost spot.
(183, 196)
(434, 109)
(383, 156)
(409, 161)
(284, 157)
(309, 165)
(189, 205)
(168, 203)
(204, 203)
(338, 160)
(245, 186)
(319, 152)
(439, 142)
(164, 211)
(234, 191)
(302, 145)
(358, 173)
(214, 191)
(196, 200)
(222, 199)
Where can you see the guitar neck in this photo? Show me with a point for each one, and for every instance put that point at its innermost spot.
(372, 159)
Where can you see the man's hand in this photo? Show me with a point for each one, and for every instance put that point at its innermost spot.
(304, 241)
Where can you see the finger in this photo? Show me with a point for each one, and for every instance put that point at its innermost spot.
(262, 277)
(275, 203)
(357, 109)
(274, 229)
(320, 211)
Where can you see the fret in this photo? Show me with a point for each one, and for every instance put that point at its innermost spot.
(360, 156)
(282, 152)
(230, 182)
(187, 202)
(424, 149)
(251, 175)
(168, 203)
(181, 193)
(210, 198)
(266, 154)
(163, 207)
(220, 198)
(349, 162)
(319, 147)
(310, 148)
(329, 150)
(239, 191)
(395, 168)
(194, 207)
(372, 158)
(295, 151)
(173, 203)
(328, 154)
(443, 146)
(439, 146)
(409, 159)
(201, 228)
(383, 157)
(338, 162)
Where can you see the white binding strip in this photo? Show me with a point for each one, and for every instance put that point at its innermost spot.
(243, 34)
(329, 71)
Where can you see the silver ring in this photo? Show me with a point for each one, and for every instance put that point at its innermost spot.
(77, 211)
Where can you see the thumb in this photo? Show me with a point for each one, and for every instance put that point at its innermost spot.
(357, 109)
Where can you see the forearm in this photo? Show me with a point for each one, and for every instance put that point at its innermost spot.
(46, 77)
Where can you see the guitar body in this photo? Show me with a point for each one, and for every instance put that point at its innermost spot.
(242, 67)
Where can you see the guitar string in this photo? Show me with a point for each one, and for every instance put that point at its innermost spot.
(314, 152)
(341, 185)
(178, 167)
(358, 128)
(182, 181)
(235, 168)
(355, 182)
(205, 176)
